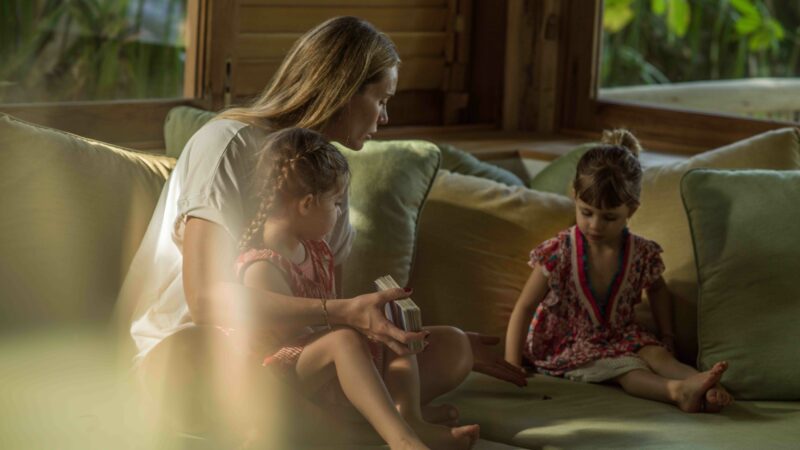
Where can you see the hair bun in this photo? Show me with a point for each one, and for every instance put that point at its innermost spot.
(622, 138)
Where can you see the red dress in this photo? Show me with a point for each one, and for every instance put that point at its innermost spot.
(571, 327)
(313, 278)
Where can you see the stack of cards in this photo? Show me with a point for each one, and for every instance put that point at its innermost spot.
(404, 313)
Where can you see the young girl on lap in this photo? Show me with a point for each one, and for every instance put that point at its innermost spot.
(300, 181)
(585, 284)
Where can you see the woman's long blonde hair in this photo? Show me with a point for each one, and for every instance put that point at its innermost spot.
(320, 74)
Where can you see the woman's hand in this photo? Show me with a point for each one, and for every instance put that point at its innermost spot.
(366, 313)
(488, 362)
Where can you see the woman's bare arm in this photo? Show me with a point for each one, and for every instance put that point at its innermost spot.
(530, 297)
(215, 297)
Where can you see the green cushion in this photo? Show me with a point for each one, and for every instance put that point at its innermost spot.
(181, 123)
(74, 211)
(459, 161)
(390, 181)
(557, 176)
(745, 233)
(475, 236)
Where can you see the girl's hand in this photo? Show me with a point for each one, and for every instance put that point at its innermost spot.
(488, 362)
(366, 314)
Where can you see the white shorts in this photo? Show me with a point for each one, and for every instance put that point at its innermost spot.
(606, 369)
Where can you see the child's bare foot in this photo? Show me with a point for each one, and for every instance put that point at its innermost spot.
(446, 438)
(716, 398)
(440, 414)
(693, 392)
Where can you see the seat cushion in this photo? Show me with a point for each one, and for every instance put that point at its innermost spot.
(475, 236)
(557, 413)
(74, 211)
(744, 228)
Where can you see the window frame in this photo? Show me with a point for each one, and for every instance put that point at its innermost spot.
(139, 123)
(668, 129)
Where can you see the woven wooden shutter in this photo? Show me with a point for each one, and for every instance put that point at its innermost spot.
(249, 38)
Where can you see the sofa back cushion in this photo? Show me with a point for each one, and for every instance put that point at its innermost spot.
(389, 183)
(746, 242)
(557, 176)
(661, 217)
(74, 211)
(475, 236)
(459, 161)
(181, 123)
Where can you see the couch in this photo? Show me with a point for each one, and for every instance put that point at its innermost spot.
(74, 210)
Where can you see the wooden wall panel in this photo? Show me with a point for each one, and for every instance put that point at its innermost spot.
(431, 37)
(255, 19)
(379, 3)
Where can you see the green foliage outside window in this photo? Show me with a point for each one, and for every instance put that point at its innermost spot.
(667, 41)
(76, 50)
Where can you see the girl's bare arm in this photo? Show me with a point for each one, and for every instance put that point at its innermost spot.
(532, 294)
(661, 306)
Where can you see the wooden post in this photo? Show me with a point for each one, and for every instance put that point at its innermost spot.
(457, 52)
(221, 34)
(532, 66)
(195, 31)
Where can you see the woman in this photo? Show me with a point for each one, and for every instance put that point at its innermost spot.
(182, 276)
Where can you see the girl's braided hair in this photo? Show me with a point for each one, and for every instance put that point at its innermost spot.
(293, 163)
(610, 175)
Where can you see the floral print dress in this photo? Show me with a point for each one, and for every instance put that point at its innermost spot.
(571, 326)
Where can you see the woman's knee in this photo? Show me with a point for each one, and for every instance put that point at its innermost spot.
(452, 344)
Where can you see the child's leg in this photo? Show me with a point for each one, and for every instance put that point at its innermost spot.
(688, 394)
(402, 377)
(664, 363)
(343, 353)
(444, 364)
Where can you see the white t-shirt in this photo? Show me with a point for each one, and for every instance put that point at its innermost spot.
(208, 182)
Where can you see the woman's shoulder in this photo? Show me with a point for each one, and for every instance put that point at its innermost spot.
(221, 145)
(221, 134)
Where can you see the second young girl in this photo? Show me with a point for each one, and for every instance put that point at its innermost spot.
(584, 286)
(301, 179)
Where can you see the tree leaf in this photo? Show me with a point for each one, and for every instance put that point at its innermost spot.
(776, 29)
(746, 25)
(617, 14)
(679, 16)
(760, 40)
(659, 7)
(746, 8)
